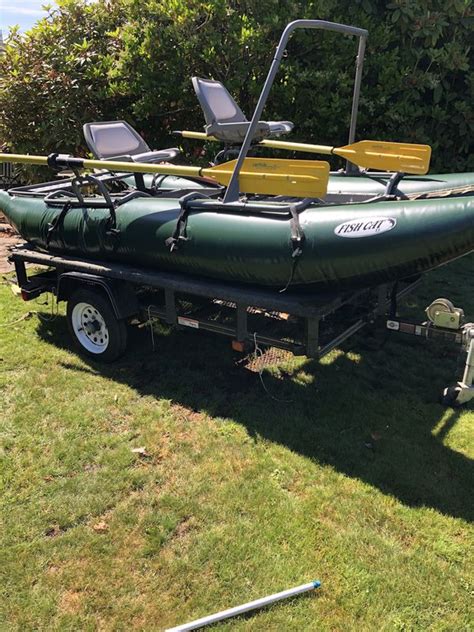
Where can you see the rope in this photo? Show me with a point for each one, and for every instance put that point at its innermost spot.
(461, 190)
(150, 323)
(19, 320)
(34, 312)
(259, 351)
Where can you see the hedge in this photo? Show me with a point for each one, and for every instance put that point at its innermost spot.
(133, 59)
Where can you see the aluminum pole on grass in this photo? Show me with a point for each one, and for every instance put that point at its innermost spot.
(232, 193)
(246, 607)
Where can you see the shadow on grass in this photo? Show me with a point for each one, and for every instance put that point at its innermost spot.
(371, 414)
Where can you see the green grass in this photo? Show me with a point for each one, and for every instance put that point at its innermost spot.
(363, 480)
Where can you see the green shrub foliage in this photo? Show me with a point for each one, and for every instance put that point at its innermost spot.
(133, 59)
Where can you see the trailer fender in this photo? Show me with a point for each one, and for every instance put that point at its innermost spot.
(121, 294)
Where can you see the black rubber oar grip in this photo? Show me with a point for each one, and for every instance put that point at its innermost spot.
(59, 161)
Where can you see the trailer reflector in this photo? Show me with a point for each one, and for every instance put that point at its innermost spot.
(188, 322)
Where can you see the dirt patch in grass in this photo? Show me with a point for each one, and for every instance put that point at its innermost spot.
(8, 238)
(184, 527)
(70, 602)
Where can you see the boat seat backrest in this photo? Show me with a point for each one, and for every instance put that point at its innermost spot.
(108, 139)
(216, 102)
(118, 140)
(225, 120)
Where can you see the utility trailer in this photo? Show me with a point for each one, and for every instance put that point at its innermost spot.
(103, 298)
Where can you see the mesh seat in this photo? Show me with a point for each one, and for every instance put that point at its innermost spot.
(225, 120)
(117, 140)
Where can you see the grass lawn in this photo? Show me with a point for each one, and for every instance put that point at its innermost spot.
(359, 478)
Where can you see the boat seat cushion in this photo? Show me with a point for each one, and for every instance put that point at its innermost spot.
(225, 120)
(162, 155)
(117, 140)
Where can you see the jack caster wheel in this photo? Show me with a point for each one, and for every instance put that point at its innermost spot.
(94, 327)
(450, 396)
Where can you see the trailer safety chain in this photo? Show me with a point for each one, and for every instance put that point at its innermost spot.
(54, 309)
(150, 324)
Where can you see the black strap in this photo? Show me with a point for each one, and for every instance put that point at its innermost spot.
(179, 233)
(393, 301)
(297, 235)
(52, 226)
(297, 239)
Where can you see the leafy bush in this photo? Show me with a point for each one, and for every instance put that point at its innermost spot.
(133, 59)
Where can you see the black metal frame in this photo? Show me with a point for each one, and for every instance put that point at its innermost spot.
(126, 285)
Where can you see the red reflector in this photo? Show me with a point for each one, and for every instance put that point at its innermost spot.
(25, 295)
(238, 346)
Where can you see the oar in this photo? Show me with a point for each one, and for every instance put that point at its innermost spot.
(370, 154)
(298, 178)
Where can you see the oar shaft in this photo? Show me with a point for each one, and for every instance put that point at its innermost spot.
(306, 147)
(24, 159)
(165, 169)
(110, 165)
(274, 144)
(134, 167)
(265, 177)
(196, 135)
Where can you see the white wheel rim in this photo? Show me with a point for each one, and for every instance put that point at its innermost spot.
(90, 328)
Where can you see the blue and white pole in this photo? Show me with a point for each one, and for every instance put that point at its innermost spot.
(246, 607)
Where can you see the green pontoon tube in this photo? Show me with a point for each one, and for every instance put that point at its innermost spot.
(259, 242)
(367, 229)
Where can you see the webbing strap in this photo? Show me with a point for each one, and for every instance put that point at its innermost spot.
(297, 239)
(52, 226)
(179, 233)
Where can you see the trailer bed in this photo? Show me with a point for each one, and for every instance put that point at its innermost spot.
(321, 320)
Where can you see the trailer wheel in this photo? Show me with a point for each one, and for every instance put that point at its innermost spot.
(94, 327)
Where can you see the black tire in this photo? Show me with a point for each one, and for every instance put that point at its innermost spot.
(110, 341)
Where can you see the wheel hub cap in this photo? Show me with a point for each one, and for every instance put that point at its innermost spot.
(90, 328)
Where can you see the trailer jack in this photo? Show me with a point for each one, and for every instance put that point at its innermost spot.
(447, 323)
(463, 392)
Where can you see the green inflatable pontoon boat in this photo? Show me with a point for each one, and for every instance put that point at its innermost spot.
(359, 229)
(260, 242)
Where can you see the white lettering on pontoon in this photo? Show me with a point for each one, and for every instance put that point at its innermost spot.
(365, 227)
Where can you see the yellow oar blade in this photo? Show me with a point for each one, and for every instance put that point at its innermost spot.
(386, 156)
(269, 176)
